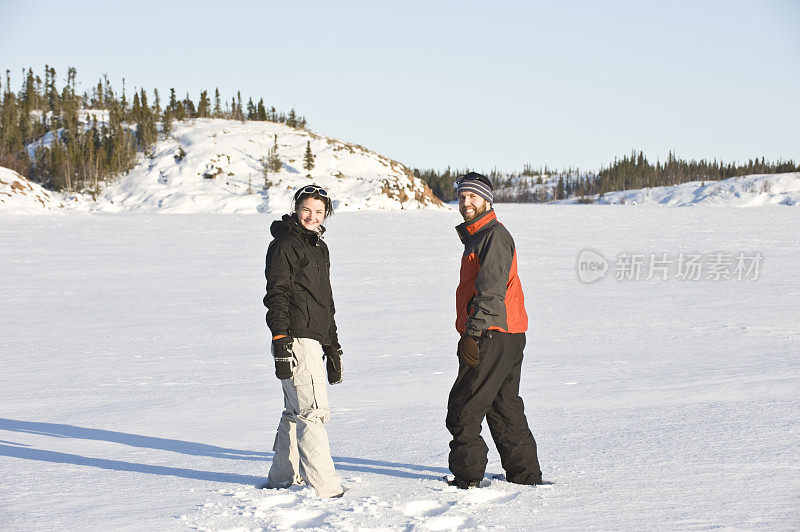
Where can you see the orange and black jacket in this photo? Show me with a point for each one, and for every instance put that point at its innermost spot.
(489, 294)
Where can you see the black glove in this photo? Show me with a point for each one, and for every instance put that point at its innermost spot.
(468, 350)
(284, 360)
(333, 354)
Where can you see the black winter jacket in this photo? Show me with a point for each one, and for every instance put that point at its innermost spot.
(299, 300)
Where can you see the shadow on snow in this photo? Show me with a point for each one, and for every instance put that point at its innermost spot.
(58, 430)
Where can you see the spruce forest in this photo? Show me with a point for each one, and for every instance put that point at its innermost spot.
(71, 141)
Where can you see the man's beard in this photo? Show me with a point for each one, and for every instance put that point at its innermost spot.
(478, 211)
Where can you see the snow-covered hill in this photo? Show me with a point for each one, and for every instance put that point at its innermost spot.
(742, 191)
(20, 196)
(216, 166)
(209, 165)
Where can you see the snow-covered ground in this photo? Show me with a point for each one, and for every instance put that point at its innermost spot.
(742, 191)
(138, 392)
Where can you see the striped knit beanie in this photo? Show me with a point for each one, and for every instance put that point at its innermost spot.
(477, 183)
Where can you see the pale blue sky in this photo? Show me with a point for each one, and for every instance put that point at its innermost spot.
(472, 84)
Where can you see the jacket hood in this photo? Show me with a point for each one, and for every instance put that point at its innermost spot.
(289, 222)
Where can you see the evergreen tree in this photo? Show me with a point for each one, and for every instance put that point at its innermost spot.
(145, 105)
(308, 159)
(123, 102)
(173, 102)
(442, 184)
(217, 110)
(166, 122)
(109, 98)
(146, 130)
(274, 160)
(25, 129)
(261, 111)
(251, 110)
(12, 148)
(28, 98)
(53, 99)
(203, 105)
(188, 107)
(271, 164)
(136, 107)
(156, 103)
(180, 111)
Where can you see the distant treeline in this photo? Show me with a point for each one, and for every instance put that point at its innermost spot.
(442, 184)
(96, 135)
(634, 171)
(630, 172)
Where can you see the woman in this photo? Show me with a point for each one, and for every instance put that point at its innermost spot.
(300, 312)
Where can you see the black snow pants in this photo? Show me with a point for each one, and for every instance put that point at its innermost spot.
(492, 389)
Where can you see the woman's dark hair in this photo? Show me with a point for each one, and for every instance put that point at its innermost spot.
(314, 192)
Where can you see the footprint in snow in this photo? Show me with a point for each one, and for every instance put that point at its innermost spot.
(424, 508)
(448, 522)
(487, 496)
(302, 518)
(273, 501)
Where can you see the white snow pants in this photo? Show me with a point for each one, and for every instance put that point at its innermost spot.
(301, 445)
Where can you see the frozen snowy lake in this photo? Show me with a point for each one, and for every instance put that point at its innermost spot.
(137, 389)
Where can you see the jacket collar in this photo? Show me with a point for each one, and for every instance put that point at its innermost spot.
(289, 222)
(467, 229)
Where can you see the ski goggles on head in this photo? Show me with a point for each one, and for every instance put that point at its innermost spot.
(311, 189)
(474, 176)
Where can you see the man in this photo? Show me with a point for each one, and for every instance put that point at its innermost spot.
(492, 321)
